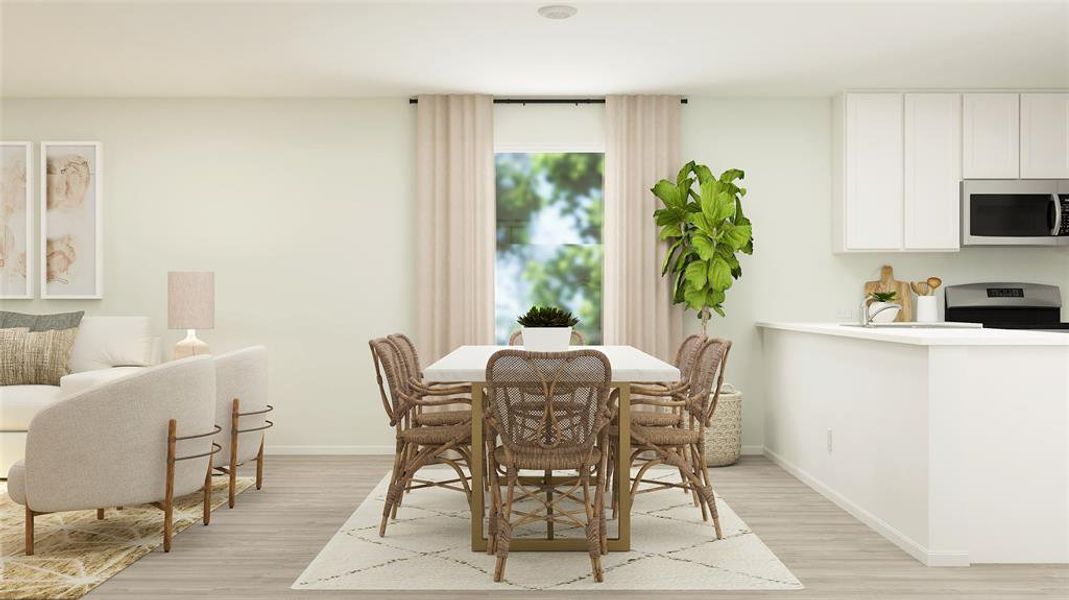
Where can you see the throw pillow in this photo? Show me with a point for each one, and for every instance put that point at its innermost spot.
(35, 357)
(10, 319)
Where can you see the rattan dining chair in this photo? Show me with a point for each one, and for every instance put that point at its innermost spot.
(516, 339)
(683, 446)
(413, 372)
(417, 445)
(647, 394)
(551, 411)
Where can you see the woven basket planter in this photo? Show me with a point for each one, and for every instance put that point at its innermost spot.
(723, 440)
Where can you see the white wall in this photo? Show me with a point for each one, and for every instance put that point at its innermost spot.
(303, 208)
(784, 145)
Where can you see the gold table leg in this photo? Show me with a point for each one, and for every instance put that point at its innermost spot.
(478, 542)
(622, 477)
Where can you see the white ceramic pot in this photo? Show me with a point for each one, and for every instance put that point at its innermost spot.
(546, 339)
(886, 316)
(927, 309)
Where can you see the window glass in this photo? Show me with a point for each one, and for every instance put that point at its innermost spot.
(549, 253)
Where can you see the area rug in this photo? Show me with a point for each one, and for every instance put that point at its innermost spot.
(428, 548)
(74, 552)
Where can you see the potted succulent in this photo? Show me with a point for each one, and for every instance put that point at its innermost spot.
(547, 328)
(882, 307)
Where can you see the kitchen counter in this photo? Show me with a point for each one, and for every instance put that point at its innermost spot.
(951, 443)
(923, 336)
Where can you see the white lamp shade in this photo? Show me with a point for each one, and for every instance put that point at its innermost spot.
(190, 300)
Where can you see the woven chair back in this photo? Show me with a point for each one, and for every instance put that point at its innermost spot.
(548, 400)
(388, 362)
(409, 356)
(687, 355)
(708, 371)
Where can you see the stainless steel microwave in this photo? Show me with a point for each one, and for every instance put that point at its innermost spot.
(1015, 212)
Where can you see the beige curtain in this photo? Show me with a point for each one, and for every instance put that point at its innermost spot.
(454, 223)
(642, 147)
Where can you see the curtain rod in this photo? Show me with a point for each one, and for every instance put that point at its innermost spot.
(545, 101)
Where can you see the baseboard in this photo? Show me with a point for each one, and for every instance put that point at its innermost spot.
(753, 450)
(909, 545)
(345, 450)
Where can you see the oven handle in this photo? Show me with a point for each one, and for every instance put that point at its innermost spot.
(1057, 214)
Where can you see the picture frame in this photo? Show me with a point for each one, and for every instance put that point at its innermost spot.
(16, 220)
(72, 220)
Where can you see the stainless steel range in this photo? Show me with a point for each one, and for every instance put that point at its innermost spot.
(1007, 305)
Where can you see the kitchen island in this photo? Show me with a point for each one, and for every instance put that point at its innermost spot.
(952, 443)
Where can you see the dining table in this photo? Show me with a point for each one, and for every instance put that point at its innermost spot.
(467, 365)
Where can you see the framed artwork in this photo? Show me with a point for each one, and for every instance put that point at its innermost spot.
(72, 261)
(16, 220)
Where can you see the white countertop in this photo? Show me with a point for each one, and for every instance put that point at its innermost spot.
(468, 363)
(929, 337)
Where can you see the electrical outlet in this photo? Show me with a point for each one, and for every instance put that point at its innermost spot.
(829, 441)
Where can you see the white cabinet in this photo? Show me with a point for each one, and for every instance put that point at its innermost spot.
(932, 184)
(872, 158)
(1045, 136)
(990, 136)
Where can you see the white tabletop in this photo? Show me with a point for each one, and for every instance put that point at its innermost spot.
(631, 365)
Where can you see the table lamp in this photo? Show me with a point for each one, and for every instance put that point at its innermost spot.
(190, 306)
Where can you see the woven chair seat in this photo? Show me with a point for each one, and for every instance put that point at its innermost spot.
(661, 436)
(439, 434)
(445, 417)
(656, 419)
(551, 458)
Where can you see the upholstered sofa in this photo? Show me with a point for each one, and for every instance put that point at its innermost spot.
(106, 348)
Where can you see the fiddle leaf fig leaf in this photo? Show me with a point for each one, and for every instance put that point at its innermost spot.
(696, 274)
(703, 246)
(668, 193)
(719, 274)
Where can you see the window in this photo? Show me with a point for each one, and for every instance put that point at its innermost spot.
(549, 217)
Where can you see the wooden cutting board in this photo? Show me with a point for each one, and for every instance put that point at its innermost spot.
(888, 283)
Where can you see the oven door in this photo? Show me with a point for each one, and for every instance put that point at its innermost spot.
(1011, 213)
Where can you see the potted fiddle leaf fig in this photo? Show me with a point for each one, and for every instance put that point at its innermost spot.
(547, 328)
(705, 228)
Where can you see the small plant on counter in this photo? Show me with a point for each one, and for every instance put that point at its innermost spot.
(547, 316)
(705, 230)
(883, 296)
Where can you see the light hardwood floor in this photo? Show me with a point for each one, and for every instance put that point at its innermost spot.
(257, 549)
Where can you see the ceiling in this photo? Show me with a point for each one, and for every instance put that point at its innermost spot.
(356, 48)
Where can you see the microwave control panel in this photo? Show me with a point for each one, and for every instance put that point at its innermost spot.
(1064, 229)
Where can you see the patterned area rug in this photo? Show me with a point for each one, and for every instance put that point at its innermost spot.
(75, 552)
(428, 548)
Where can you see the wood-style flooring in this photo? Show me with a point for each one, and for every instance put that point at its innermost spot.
(256, 550)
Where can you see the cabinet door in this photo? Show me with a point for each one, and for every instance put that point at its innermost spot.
(1044, 136)
(873, 154)
(933, 171)
(991, 137)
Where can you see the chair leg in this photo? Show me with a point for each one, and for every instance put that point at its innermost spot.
(398, 457)
(593, 535)
(29, 531)
(168, 496)
(235, 413)
(260, 464)
(100, 514)
(711, 500)
(504, 527)
(206, 517)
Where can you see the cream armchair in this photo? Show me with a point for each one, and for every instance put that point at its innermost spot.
(241, 409)
(145, 438)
